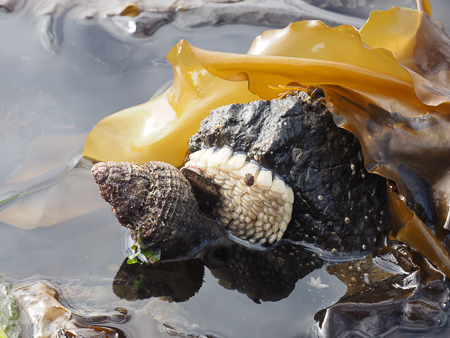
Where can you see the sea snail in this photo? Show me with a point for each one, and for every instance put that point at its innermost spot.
(157, 201)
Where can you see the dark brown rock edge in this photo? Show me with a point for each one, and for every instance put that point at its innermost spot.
(338, 204)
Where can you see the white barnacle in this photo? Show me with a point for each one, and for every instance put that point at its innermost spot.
(258, 235)
(234, 163)
(203, 160)
(219, 156)
(194, 157)
(264, 179)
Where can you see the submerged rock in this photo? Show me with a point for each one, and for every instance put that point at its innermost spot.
(338, 204)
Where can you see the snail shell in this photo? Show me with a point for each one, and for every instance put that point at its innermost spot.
(156, 201)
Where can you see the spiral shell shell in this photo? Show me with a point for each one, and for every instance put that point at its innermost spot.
(155, 200)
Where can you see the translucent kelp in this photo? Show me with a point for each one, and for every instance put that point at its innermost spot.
(160, 129)
(388, 84)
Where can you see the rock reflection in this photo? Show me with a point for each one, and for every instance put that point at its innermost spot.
(268, 275)
(393, 289)
(261, 275)
(175, 281)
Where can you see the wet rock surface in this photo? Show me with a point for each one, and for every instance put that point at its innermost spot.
(43, 315)
(409, 295)
(338, 204)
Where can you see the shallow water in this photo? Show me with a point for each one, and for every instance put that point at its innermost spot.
(51, 96)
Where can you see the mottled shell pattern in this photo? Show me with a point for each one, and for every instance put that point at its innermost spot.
(254, 204)
(153, 199)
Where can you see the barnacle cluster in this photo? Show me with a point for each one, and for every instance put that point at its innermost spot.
(253, 204)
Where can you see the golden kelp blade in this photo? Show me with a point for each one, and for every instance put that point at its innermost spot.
(418, 43)
(160, 129)
(309, 53)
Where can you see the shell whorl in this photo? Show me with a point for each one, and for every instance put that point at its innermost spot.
(154, 199)
(253, 204)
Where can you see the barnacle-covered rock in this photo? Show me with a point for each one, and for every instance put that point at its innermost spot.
(156, 202)
(338, 204)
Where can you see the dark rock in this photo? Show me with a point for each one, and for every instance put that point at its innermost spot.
(338, 204)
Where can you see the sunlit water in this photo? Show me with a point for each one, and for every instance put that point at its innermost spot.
(49, 101)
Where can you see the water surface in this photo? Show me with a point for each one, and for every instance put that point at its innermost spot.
(50, 98)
